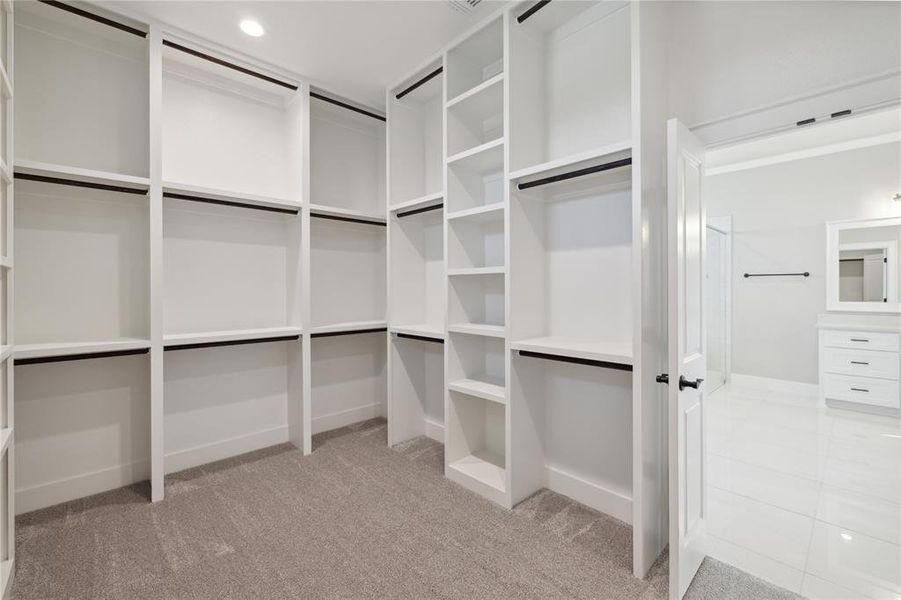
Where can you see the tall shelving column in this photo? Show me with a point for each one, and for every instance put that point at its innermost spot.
(7, 384)
(477, 451)
(346, 250)
(416, 266)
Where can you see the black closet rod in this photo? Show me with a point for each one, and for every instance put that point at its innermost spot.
(350, 332)
(532, 10)
(77, 183)
(88, 15)
(576, 361)
(417, 211)
(89, 355)
(420, 338)
(625, 162)
(177, 196)
(804, 274)
(425, 79)
(347, 106)
(284, 338)
(346, 219)
(225, 63)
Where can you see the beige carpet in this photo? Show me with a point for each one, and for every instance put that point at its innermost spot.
(353, 520)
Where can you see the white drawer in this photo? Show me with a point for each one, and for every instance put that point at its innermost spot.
(862, 340)
(863, 363)
(864, 390)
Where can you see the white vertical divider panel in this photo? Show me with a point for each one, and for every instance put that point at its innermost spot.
(8, 512)
(157, 419)
(650, 521)
(508, 423)
(390, 401)
(306, 444)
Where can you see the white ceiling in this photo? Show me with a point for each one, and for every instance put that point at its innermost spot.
(354, 47)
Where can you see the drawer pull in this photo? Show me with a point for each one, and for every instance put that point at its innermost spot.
(860, 340)
(859, 362)
(860, 390)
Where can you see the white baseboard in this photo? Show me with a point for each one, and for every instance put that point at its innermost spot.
(79, 486)
(207, 453)
(590, 494)
(797, 389)
(346, 417)
(434, 430)
(104, 480)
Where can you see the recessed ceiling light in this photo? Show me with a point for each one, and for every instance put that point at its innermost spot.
(252, 28)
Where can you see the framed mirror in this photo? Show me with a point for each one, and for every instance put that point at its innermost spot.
(862, 269)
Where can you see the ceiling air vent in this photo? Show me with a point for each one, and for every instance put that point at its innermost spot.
(463, 6)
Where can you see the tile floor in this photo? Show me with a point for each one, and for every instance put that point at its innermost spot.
(808, 498)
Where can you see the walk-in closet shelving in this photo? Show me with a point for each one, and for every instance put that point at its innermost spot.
(477, 413)
(232, 148)
(347, 255)
(416, 266)
(569, 82)
(7, 406)
(82, 183)
(550, 350)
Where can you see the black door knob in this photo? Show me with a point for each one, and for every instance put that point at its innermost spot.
(686, 383)
(663, 378)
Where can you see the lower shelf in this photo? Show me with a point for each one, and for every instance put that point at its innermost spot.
(486, 388)
(485, 467)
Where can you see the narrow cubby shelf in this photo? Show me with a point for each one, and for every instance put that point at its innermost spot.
(496, 331)
(416, 151)
(483, 466)
(469, 271)
(72, 76)
(482, 159)
(318, 210)
(487, 212)
(475, 178)
(476, 117)
(476, 60)
(493, 389)
(570, 82)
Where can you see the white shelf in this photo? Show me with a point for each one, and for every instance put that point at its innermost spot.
(620, 353)
(6, 434)
(485, 467)
(421, 329)
(6, 262)
(610, 152)
(185, 339)
(349, 326)
(486, 388)
(476, 271)
(7, 86)
(497, 331)
(5, 173)
(480, 158)
(185, 189)
(5, 352)
(479, 89)
(487, 212)
(40, 169)
(45, 350)
(421, 202)
(319, 209)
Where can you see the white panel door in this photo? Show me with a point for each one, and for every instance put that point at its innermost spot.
(687, 361)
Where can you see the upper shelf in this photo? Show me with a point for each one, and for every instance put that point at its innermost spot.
(177, 340)
(55, 349)
(617, 353)
(606, 153)
(77, 174)
(193, 192)
(346, 213)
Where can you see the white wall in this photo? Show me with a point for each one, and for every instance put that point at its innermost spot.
(779, 214)
(730, 57)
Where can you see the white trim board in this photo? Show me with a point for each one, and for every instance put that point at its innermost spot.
(347, 417)
(228, 448)
(589, 493)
